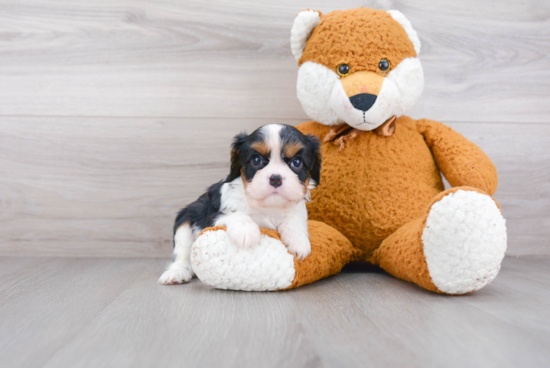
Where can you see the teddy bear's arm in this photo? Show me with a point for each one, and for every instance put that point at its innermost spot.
(462, 162)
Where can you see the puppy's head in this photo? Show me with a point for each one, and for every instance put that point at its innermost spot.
(277, 163)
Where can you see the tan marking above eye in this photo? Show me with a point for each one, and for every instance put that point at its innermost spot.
(261, 147)
(290, 149)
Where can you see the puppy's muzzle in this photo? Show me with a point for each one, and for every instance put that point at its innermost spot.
(275, 181)
(363, 101)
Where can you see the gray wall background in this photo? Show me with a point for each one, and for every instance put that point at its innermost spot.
(114, 114)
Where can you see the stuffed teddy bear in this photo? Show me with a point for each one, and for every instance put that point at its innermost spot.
(381, 198)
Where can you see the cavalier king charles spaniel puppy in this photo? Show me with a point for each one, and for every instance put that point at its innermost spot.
(272, 171)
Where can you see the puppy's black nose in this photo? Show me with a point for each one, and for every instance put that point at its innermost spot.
(276, 181)
(363, 101)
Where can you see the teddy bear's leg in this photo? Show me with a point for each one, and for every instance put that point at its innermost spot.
(269, 266)
(455, 248)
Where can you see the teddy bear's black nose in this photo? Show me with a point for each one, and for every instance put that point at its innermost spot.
(363, 101)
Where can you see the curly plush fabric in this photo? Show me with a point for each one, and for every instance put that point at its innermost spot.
(406, 253)
(375, 185)
(269, 266)
(217, 262)
(464, 241)
(304, 24)
(381, 199)
(378, 190)
(461, 161)
(358, 37)
(393, 178)
(330, 252)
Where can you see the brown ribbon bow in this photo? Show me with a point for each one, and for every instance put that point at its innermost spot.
(340, 134)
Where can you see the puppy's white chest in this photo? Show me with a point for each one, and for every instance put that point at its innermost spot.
(269, 220)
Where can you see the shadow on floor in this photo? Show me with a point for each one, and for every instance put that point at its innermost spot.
(361, 267)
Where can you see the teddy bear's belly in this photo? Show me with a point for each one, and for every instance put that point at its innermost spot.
(374, 186)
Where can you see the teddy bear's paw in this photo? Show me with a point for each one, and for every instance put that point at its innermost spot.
(174, 276)
(464, 241)
(219, 263)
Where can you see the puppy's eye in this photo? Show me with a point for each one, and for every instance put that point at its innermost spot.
(384, 65)
(296, 163)
(256, 161)
(342, 70)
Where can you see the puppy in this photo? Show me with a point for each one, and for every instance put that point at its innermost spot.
(272, 171)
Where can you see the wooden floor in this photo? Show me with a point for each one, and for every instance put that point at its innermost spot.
(99, 312)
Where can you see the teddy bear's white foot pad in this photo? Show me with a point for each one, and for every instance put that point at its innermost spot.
(464, 241)
(218, 263)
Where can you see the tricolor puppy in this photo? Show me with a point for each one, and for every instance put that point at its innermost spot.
(272, 171)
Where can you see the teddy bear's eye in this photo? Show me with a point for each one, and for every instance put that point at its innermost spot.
(343, 70)
(384, 65)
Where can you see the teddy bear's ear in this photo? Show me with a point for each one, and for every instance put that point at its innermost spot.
(400, 18)
(303, 25)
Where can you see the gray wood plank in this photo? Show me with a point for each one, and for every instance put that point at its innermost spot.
(483, 62)
(112, 186)
(408, 326)
(104, 312)
(530, 291)
(11, 265)
(42, 308)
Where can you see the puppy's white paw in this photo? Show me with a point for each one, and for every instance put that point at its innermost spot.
(245, 235)
(176, 276)
(297, 244)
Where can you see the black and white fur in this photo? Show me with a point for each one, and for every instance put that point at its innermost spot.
(265, 188)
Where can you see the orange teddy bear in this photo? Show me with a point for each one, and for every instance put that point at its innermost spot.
(381, 198)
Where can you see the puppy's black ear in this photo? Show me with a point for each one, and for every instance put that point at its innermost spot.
(314, 146)
(236, 151)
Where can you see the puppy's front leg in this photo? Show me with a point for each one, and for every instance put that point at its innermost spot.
(241, 230)
(294, 233)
